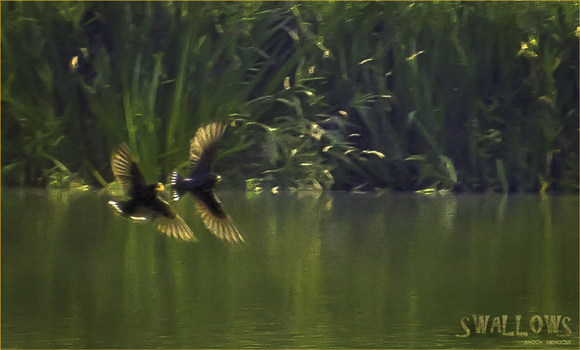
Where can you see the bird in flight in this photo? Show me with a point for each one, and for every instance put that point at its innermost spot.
(144, 204)
(201, 182)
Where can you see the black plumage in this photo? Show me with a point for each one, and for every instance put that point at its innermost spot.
(201, 182)
(144, 204)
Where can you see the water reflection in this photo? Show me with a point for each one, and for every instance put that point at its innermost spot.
(317, 271)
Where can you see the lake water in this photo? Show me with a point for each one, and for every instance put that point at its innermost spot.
(327, 270)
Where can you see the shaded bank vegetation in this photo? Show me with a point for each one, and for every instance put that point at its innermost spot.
(321, 95)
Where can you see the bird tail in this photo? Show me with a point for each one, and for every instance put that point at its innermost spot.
(176, 181)
(119, 206)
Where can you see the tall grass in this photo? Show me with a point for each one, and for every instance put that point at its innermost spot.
(321, 95)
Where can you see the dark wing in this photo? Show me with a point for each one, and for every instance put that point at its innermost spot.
(170, 223)
(210, 203)
(175, 227)
(215, 218)
(204, 147)
(126, 169)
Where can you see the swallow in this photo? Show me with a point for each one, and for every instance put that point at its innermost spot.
(201, 183)
(144, 203)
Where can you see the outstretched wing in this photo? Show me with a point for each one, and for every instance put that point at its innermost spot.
(204, 147)
(170, 223)
(215, 218)
(175, 227)
(126, 169)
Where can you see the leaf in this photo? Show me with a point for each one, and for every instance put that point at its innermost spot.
(501, 175)
(450, 169)
(417, 157)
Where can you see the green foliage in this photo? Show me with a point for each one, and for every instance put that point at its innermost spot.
(321, 95)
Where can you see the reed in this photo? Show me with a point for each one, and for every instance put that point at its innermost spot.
(321, 95)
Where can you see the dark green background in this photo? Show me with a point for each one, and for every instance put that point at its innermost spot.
(477, 96)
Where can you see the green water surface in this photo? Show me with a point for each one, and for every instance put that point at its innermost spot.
(326, 270)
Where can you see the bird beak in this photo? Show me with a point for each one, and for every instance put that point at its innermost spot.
(160, 187)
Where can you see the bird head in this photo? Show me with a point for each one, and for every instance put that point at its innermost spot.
(159, 187)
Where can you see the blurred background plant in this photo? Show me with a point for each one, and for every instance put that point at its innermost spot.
(320, 95)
